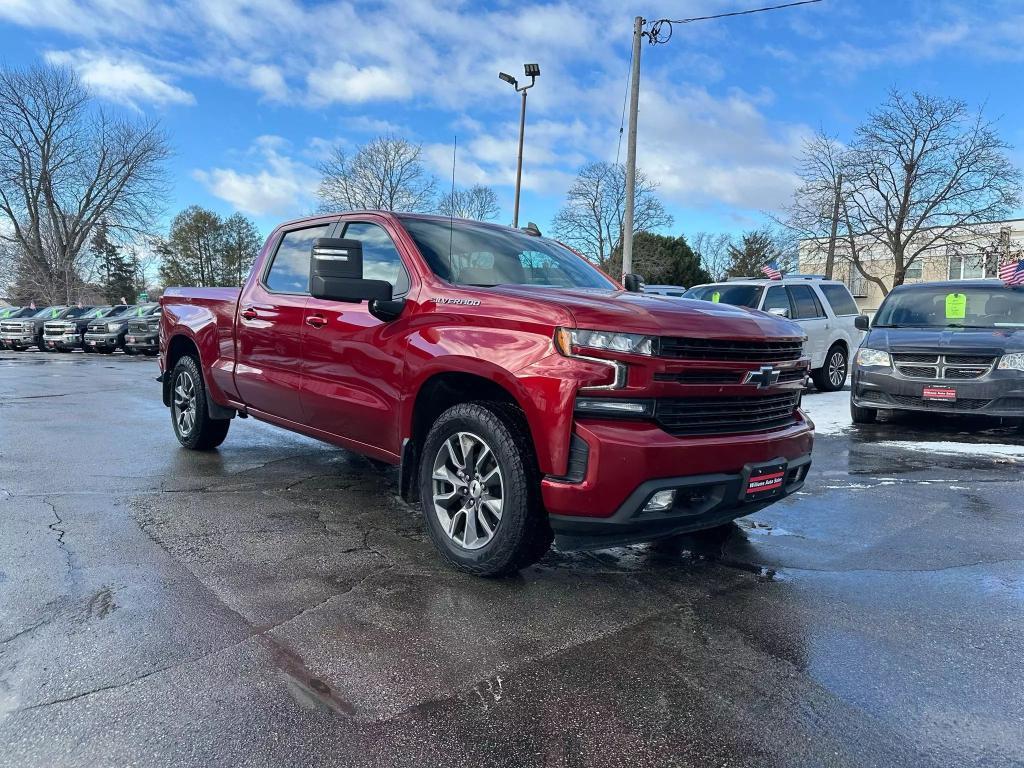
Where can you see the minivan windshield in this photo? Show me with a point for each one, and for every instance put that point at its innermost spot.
(465, 253)
(952, 307)
(727, 293)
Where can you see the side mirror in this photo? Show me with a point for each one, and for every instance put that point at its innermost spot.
(862, 323)
(633, 283)
(779, 311)
(336, 273)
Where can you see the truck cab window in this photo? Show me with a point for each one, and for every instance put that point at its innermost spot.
(380, 257)
(289, 272)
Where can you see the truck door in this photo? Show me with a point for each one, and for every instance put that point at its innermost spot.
(353, 363)
(268, 333)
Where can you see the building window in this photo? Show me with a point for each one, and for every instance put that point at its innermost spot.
(914, 272)
(857, 283)
(966, 267)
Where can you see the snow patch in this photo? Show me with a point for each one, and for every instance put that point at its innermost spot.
(984, 450)
(830, 411)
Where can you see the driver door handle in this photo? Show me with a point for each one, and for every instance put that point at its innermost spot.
(249, 313)
(317, 321)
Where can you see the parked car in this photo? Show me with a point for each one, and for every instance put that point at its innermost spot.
(108, 334)
(143, 335)
(947, 347)
(824, 309)
(25, 332)
(14, 313)
(69, 333)
(676, 291)
(521, 391)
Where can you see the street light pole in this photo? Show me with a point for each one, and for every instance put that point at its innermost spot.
(519, 160)
(634, 106)
(532, 71)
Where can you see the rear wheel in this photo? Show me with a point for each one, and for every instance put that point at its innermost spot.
(189, 415)
(862, 415)
(831, 377)
(480, 490)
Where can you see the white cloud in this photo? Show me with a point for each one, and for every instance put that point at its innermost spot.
(269, 81)
(273, 184)
(121, 80)
(344, 82)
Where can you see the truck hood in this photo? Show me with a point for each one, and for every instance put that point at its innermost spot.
(656, 315)
(993, 341)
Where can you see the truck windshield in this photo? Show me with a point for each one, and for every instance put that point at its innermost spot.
(735, 294)
(947, 306)
(50, 313)
(465, 253)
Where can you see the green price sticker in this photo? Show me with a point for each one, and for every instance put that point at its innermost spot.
(956, 306)
(715, 297)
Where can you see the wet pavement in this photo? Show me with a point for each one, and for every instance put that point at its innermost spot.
(275, 603)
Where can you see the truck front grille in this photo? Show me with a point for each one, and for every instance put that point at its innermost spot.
(725, 415)
(735, 351)
(10, 327)
(725, 377)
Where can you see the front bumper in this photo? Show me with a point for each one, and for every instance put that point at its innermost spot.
(102, 340)
(999, 393)
(628, 462)
(142, 342)
(67, 341)
(18, 339)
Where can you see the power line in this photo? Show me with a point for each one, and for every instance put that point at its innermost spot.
(625, 99)
(656, 36)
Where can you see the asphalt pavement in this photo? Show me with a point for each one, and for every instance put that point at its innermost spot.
(275, 603)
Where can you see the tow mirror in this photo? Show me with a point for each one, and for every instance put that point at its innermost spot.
(634, 283)
(336, 273)
(862, 323)
(779, 311)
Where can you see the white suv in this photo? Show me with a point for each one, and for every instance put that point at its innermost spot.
(823, 308)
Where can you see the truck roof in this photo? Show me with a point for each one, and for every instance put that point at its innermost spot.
(400, 216)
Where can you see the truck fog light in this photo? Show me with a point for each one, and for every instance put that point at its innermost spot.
(661, 501)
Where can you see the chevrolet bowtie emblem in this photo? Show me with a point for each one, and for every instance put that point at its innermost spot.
(766, 376)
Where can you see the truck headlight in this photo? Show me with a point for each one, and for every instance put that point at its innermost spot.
(609, 341)
(1014, 362)
(614, 406)
(874, 357)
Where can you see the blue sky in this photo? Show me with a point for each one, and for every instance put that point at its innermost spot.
(255, 93)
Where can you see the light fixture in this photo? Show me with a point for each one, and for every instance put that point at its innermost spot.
(508, 79)
(532, 70)
(662, 501)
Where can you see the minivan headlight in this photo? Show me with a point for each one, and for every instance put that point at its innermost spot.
(609, 341)
(1014, 362)
(874, 357)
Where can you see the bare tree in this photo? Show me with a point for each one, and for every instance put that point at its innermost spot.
(478, 202)
(713, 250)
(923, 173)
(65, 165)
(386, 174)
(591, 219)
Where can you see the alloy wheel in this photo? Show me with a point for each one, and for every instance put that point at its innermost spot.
(184, 402)
(468, 490)
(837, 369)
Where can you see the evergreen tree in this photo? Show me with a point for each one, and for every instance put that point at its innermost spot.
(662, 260)
(755, 250)
(118, 273)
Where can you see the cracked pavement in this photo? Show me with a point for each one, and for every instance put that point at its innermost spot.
(276, 603)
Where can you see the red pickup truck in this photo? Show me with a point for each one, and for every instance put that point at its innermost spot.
(522, 392)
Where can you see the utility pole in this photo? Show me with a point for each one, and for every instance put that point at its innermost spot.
(830, 260)
(634, 108)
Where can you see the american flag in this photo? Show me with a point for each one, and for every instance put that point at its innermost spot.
(1012, 272)
(772, 270)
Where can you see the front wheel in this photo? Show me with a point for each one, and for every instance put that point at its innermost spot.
(480, 490)
(189, 415)
(862, 415)
(831, 377)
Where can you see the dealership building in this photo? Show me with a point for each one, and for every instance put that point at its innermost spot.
(971, 256)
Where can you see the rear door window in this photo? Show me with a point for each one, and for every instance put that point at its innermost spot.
(840, 300)
(289, 271)
(805, 303)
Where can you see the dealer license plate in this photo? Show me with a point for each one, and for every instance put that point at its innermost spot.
(91, 342)
(765, 481)
(130, 339)
(939, 393)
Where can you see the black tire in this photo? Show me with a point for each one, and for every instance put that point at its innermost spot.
(522, 535)
(41, 345)
(129, 351)
(831, 377)
(862, 415)
(198, 432)
(151, 353)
